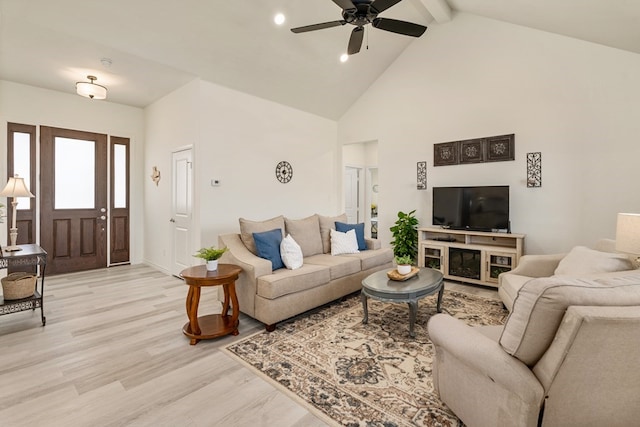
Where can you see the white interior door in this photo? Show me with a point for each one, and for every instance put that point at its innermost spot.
(371, 204)
(352, 193)
(182, 205)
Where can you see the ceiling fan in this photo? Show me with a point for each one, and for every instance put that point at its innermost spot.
(362, 12)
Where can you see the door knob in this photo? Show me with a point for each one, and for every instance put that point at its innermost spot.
(103, 217)
(172, 220)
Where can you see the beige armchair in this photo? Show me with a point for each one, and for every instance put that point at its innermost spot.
(567, 356)
(529, 267)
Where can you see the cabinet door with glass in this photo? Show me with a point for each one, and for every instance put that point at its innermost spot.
(498, 263)
(432, 256)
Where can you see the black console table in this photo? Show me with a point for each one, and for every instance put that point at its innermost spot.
(30, 255)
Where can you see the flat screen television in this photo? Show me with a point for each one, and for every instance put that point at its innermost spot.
(472, 208)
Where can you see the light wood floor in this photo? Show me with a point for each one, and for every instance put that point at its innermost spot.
(113, 354)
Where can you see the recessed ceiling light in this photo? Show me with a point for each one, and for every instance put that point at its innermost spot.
(344, 57)
(279, 19)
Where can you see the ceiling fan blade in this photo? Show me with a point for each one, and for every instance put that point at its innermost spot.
(321, 26)
(355, 41)
(399, 27)
(345, 4)
(382, 5)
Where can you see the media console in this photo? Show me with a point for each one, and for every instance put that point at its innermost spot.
(469, 256)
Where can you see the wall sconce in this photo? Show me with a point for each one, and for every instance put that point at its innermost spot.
(91, 89)
(155, 175)
(15, 188)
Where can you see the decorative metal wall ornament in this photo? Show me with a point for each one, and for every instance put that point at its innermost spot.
(534, 169)
(479, 150)
(422, 176)
(284, 172)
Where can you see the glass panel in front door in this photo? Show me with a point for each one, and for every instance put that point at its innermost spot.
(74, 173)
(22, 164)
(119, 176)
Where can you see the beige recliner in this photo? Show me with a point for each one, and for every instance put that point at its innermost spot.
(567, 356)
(602, 260)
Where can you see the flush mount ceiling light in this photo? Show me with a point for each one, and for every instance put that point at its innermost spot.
(91, 89)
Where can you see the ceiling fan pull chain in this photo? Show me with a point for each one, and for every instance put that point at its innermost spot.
(367, 33)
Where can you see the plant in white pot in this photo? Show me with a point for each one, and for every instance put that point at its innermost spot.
(405, 235)
(211, 255)
(404, 264)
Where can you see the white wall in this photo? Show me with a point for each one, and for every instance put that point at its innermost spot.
(574, 101)
(242, 140)
(34, 106)
(238, 139)
(170, 123)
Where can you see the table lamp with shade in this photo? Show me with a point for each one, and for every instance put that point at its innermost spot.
(628, 234)
(15, 188)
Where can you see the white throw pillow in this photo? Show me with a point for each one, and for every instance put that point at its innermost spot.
(344, 243)
(582, 260)
(291, 253)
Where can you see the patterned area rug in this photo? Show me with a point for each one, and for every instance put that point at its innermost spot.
(352, 374)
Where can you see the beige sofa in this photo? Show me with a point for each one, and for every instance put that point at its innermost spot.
(601, 261)
(566, 356)
(272, 296)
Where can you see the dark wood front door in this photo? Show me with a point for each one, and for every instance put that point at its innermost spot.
(73, 224)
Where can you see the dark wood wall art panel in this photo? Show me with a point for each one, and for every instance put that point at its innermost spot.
(479, 150)
(500, 148)
(471, 151)
(445, 154)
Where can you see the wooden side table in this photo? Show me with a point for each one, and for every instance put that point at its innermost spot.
(212, 325)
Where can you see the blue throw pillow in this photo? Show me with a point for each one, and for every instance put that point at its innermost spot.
(268, 246)
(343, 228)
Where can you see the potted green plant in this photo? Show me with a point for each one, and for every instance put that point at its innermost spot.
(211, 255)
(405, 235)
(404, 264)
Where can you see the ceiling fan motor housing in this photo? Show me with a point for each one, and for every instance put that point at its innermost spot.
(361, 15)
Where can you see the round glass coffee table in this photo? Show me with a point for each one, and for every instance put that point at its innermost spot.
(378, 286)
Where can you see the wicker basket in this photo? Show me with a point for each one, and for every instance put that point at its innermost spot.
(18, 285)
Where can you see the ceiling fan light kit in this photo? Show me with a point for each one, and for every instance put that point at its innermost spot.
(91, 89)
(363, 12)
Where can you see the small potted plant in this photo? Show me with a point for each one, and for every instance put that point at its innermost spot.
(405, 235)
(211, 255)
(404, 264)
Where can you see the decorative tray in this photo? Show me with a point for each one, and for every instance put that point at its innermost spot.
(394, 275)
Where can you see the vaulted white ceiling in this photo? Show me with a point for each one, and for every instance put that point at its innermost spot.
(156, 46)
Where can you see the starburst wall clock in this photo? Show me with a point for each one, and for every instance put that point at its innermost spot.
(284, 172)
